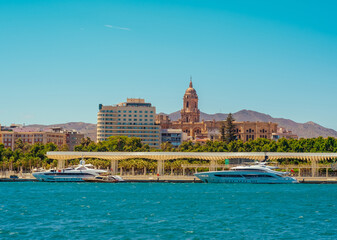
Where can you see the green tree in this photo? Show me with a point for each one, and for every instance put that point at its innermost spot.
(166, 146)
(230, 134)
(18, 144)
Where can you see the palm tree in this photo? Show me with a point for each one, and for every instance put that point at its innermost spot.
(142, 164)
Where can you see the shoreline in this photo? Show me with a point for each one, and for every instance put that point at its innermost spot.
(176, 179)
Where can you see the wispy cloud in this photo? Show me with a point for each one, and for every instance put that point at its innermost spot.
(117, 27)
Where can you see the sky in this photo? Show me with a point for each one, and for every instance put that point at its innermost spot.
(60, 59)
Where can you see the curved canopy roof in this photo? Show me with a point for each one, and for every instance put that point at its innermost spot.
(191, 155)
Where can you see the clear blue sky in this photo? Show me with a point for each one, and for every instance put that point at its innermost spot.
(60, 59)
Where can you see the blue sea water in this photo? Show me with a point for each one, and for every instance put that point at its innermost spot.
(167, 211)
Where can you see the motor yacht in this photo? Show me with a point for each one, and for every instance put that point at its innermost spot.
(258, 173)
(71, 174)
(105, 179)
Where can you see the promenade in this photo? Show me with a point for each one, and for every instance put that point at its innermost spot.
(313, 159)
(312, 172)
(27, 177)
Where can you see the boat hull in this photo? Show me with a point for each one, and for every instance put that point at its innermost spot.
(61, 177)
(236, 177)
(58, 178)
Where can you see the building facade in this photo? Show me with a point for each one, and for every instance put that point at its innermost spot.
(58, 136)
(283, 133)
(201, 131)
(133, 118)
(173, 136)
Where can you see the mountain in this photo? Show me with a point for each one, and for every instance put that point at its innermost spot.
(305, 130)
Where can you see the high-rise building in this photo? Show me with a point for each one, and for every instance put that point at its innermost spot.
(133, 118)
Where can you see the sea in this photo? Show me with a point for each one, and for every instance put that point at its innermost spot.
(36, 210)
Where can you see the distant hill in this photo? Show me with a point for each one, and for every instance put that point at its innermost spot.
(88, 129)
(305, 130)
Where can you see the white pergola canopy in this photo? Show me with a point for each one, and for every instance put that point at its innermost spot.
(114, 157)
(191, 155)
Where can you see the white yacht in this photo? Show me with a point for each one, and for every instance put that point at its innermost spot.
(71, 174)
(259, 173)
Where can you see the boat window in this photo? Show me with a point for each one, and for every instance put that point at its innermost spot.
(257, 176)
(249, 170)
(228, 175)
(62, 173)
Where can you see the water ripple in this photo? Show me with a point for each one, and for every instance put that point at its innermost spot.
(167, 211)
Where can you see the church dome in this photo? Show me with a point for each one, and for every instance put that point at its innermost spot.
(190, 90)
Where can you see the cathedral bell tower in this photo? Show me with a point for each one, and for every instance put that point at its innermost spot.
(190, 111)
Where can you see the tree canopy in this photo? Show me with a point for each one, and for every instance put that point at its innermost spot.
(27, 156)
(227, 130)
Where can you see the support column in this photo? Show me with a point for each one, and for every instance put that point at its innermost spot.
(212, 165)
(60, 164)
(114, 166)
(313, 167)
(327, 172)
(160, 167)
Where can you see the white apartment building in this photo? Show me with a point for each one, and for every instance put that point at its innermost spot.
(133, 118)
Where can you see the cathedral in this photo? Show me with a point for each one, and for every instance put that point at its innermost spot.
(201, 131)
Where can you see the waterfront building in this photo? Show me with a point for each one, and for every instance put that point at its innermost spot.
(73, 138)
(202, 131)
(58, 136)
(133, 118)
(283, 133)
(173, 136)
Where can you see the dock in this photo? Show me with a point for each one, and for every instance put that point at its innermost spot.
(18, 180)
(182, 179)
